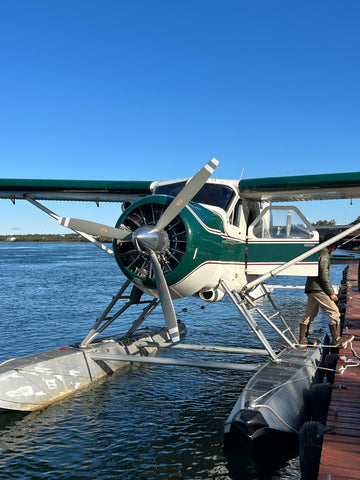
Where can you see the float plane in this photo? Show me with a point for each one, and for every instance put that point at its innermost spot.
(199, 237)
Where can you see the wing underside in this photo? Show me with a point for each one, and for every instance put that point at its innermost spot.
(303, 187)
(75, 190)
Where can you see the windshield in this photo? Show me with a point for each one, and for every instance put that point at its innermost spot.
(210, 194)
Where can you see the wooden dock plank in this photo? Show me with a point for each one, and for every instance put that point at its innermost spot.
(344, 413)
(341, 443)
(345, 430)
(340, 438)
(342, 416)
(345, 422)
(337, 458)
(350, 394)
(338, 473)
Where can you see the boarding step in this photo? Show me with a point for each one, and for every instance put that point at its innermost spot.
(251, 303)
(247, 305)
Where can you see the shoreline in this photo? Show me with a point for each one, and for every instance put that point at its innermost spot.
(47, 238)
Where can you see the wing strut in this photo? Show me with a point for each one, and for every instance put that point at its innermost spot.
(88, 237)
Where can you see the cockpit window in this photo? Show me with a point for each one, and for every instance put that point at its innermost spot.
(172, 189)
(210, 194)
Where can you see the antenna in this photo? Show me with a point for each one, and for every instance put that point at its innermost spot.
(242, 173)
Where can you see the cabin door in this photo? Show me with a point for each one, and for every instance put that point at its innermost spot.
(277, 235)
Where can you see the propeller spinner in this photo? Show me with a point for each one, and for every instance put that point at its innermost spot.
(152, 240)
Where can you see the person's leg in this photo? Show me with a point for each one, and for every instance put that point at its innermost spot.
(332, 310)
(312, 309)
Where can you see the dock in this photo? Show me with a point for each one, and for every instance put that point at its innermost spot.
(341, 448)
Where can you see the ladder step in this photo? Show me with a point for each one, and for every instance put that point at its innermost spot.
(176, 362)
(266, 294)
(250, 307)
(245, 303)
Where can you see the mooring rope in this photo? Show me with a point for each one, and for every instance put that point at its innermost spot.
(354, 351)
(350, 362)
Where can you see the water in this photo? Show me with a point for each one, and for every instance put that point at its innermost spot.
(149, 422)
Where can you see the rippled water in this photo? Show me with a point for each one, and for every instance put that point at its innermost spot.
(149, 422)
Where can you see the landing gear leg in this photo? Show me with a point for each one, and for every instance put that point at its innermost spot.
(134, 298)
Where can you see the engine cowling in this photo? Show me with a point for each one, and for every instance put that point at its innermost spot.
(145, 213)
(192, 238)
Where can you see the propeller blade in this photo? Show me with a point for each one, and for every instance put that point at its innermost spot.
(93, 228)
(187, 194)
(165, 300)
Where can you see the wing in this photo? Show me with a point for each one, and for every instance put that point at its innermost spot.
(272, 189)
(80, 190)
(303, 187)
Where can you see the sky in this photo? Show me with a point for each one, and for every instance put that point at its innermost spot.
(152, 90)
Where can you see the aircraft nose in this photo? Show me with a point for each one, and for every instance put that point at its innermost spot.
(150, 239)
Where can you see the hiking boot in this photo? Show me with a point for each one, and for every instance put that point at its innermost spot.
(337, 340)
(303, 340)
(342, 341)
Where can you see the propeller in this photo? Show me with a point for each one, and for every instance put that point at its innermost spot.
(98, 229)
(165, 299)
(153, 239)
(187, 194)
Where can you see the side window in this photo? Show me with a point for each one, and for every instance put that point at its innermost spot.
(281, 222)
(236, 215)
(250, 210)
(251, 217)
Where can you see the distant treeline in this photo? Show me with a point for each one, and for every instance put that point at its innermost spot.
(69, 237)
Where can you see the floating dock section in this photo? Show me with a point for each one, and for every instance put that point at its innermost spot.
(340, 455)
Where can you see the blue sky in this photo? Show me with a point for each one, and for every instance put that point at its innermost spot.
(151, 90)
